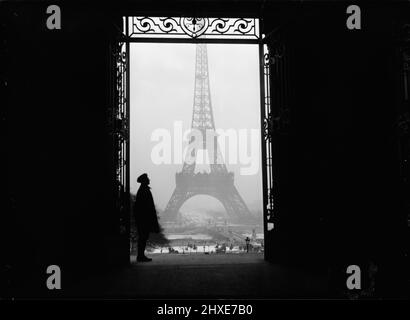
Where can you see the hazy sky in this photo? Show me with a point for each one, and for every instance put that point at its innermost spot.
(162, 92)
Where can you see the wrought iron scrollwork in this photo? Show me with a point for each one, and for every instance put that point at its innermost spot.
(268, 140)
(280, 88)
(270, 208)
(193, 27)
(277, 118)
(119, 130)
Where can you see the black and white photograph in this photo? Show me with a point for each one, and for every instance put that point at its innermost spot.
(205, 158)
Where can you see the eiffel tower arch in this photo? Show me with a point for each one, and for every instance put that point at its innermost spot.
(218, 183)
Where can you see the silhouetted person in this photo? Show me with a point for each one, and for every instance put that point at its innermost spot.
(145, 216)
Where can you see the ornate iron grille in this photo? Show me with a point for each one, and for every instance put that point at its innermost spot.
(276, 118)
(119, 131)
(192, 28)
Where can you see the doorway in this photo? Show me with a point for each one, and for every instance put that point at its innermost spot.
(174, 90)
(156, 33)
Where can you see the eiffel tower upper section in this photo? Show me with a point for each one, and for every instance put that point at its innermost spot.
(202, 115)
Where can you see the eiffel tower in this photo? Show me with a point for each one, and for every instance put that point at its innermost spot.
(219, 183)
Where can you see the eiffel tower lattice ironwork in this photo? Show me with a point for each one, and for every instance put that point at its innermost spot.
(218, 183)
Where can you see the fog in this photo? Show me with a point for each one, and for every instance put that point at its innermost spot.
(162, 91)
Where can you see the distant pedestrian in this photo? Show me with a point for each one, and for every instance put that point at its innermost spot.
(247, 240)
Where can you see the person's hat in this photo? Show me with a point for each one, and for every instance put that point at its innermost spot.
(142, 178)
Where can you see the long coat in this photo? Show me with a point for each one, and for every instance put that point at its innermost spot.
(144, 211)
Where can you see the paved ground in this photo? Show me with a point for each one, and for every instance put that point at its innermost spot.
(205, 276)
(167, 259)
